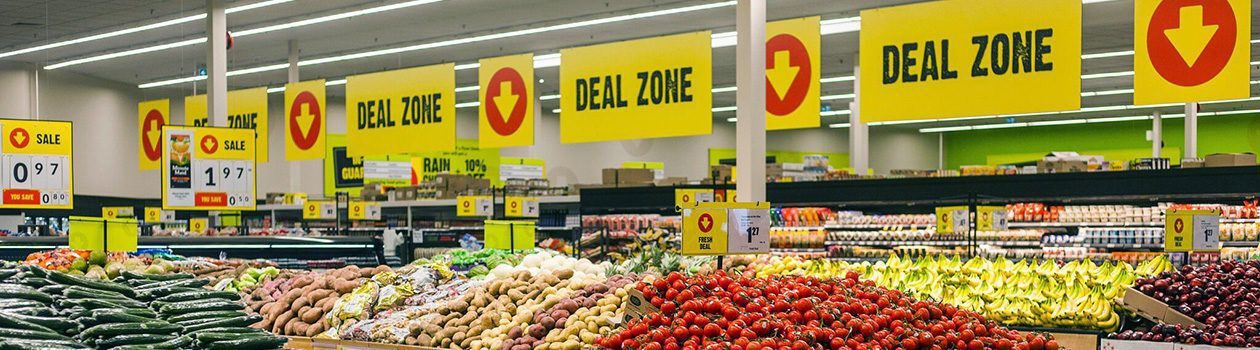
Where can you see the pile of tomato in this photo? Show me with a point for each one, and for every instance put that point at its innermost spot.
(719, 311)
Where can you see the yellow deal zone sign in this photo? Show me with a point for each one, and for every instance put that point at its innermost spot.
(208, 168)
(402, 111)
(36, 164)
(965, 58)
(655, 87)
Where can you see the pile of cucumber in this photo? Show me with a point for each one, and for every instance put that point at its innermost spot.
(46, 309)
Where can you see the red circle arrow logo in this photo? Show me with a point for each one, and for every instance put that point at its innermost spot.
(305, 106)
(1178, 225)
(209, 144)
(784, 96)
(498, 101)
(1191, 41)
(153, 122)
(19, 137)
(705, 223)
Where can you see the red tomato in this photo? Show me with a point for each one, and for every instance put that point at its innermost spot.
(712, 330)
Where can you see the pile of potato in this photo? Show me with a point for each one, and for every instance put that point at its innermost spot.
(296, 306)
(587, 314)
(492, 313)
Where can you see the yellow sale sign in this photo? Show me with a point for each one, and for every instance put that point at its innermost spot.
(506, 116)
(401, 111)
(247, 109)
(305, 116)
(792, 74)
(208, 169)
(1191, 51)
(37, 163)
(152, 116)
(963, 58)
(704, 231)
(656, 87)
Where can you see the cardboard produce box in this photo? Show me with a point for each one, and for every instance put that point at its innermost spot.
(721, 173)
(1155, 310)
(671, 181)
(628, 176)
(1229, 159)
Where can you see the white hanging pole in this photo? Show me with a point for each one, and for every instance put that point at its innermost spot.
(859, 142)
(750, 123)
(216, 63)
(1157, 134)
(1192, 130)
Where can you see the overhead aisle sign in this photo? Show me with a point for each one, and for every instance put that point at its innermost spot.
(208, 169)
(402, 111)
(506, 115)
(656, 87)
(247, 109)
(1191, 51)
(306, 113)
(466, 159)
(153, 115)
(792, 74)
(964, 58)
(37, 164)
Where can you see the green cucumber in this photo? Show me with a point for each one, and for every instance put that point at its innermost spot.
(113, 329)
(81, 292)
(251, 343)
(14, 322)
(241, 321)
(234, 330)
(54, 289)
(11, 291)
(16, 303)
(113, 316)
(198, 306)
(33, 270)
(93, 304)
(30, 334)
(152, 294)
(35, 282)
(39, 344)
(93, 284)
(144, 276)
(210, 337)
(205, 315)
(32, 311)
(58, 324)
(196, 283)
(199, 295)
(5, 274)
(129, 339)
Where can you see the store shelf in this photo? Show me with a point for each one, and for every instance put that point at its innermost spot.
(898, 243)
(426, 203)
(799, 228)
(1104, 246)
(876, 227)
(1114, 224)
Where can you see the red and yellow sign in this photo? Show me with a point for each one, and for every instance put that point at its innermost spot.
(247, 109)
(506, 116)
(792, 74)
(402, 111)
(306, 113)
(153, 115)
(208, 169)
(36, 160)
(1191, 51)
(655, 87)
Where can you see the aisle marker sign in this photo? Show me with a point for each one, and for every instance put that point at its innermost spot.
(793, 74)
(208, 169)
(118, 212)
(506, 115)
(246, 109)
(521, 207)
(402, 111)
(363, 210)
(153, 115)
(637, 89)
(1191, 51)
(1000, 56)
(953, 219)
(319, 210)
(198, 225)
(306, 112)
(156, 214)
(691, 196)
(36, 164)
(474, 206)
(991, 218)
(1192, 230)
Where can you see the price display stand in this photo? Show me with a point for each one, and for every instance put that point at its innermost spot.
(728, 228)
(1192, 236)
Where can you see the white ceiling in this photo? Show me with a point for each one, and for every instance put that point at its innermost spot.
(1107, 27)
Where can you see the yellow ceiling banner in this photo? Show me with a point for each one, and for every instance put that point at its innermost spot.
(152, 116)
(964, 58)
(1191, 51)
(402, 111)
(792, 74)
(247, 109)
(655, 87)
(506, 115)
(306, 113)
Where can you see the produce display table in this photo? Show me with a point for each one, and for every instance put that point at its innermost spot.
(248, 247)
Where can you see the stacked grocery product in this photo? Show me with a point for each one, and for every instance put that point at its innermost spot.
(801, 217)
(619, 236)
(1223, 296)
(856, 218)
(797, 237)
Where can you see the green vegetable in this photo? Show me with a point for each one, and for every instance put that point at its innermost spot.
(112, 329)
(14, 322)
(199, 295)
(81, 292)
(196, 316)
(16, 303)
(93, 304)
(184, 307)
(58, 324)
(30, 334)
(155, 293)
(32, 311)
(12, 291)
(240, 321)
(39, 344)
(210, 337)
(53, 289)
(105, 316)
(35, 282)
(197, 283)
(251, 343)
(233, 330)
(83, 282)
(129, 339)
(152, 277)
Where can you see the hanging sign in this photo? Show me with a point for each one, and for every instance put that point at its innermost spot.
(792, 74)
(305, 111)
(153, 115)
(246, 109)
(1005, 57)
(1192, 230)
(208, 169)
(522, 168)
(36, 164)
(342, 173)
(632, 90)
(319, 210)
(474, 206)
(466, 159)
(1191, 51)
(401, 111)
(506, 116)
(362, 210)
(521, 207)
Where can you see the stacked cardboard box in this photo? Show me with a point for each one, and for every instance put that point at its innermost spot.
(1229, 159)
(624, 177)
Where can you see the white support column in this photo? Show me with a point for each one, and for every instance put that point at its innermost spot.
(859, 143)
(295, 167)
(750, 78)
(1157, 134)
(216, 63)
(1192, 131)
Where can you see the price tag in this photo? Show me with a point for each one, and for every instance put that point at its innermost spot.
(952, 219)
(360, 210)
(36, 168)
(319, 210)
(750, 231)
(1192, 230)
(152, 215)
(684, 197)
(198, 225)
(636, 306)
(1207, 232)
(521, 207)
(991, 218)
(474, 206)
(208, 168)
(117, 212)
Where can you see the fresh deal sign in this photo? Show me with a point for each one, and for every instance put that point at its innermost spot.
(401, 111)
(966, 58)
(656, 87)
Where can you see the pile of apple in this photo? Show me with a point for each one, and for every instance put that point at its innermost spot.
(717, 311)
(1224, 296)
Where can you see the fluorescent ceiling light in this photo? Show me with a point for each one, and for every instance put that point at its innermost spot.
(556, 111)
(467, 88)
(1090, 56)
(549, 97)
(998, 126)
(467, 104)
(1057, 122)
(838, 125)
(721, 89)
(1107, 75)
(335, 82)
(724, 109)
(840, 25)
(835, 113)
(1117, 119)
(246, 32)
(837, 79)
(732, 119)
(836, 97)
(945, 129)
(275, 90)
(142, 28)
(1106, 92)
